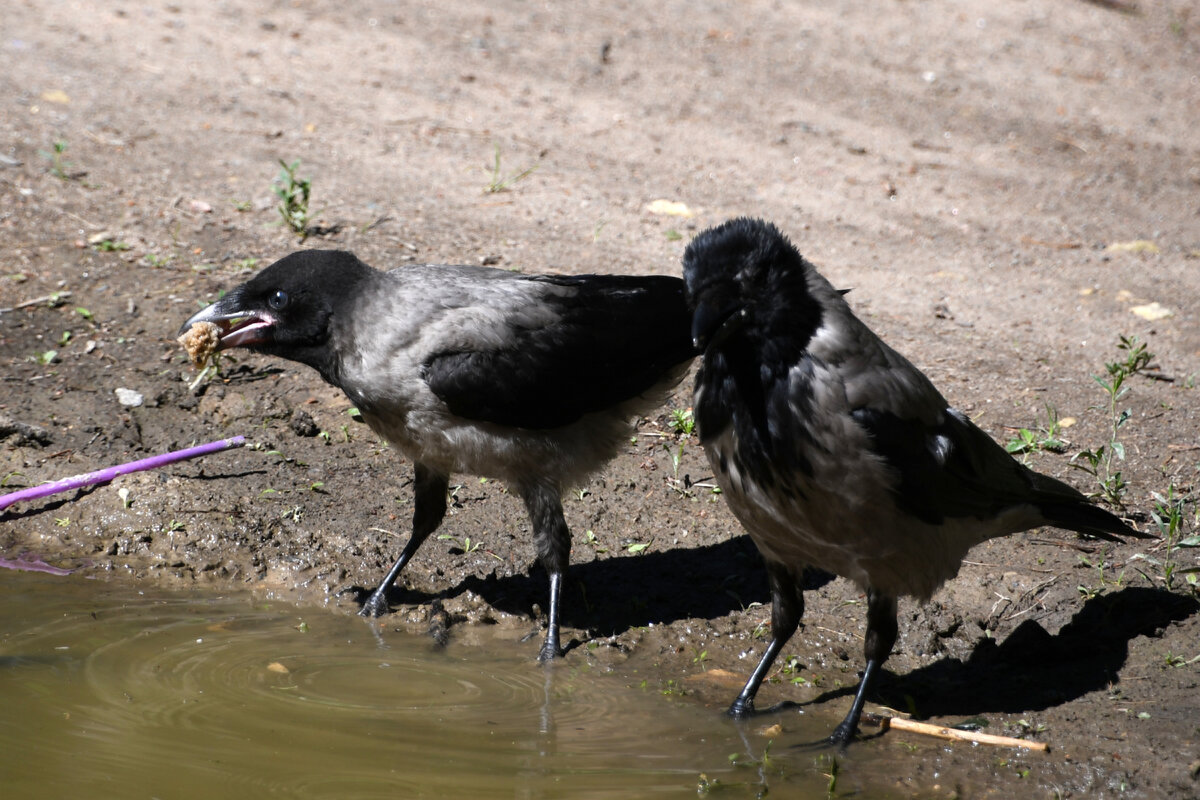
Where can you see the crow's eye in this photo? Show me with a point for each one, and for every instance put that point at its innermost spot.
(278, 299)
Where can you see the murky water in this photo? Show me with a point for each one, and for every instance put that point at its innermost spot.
(111, 692)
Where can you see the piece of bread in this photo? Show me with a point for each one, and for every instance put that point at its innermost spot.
(200, 341)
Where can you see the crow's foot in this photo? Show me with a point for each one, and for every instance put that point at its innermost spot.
(375, 606)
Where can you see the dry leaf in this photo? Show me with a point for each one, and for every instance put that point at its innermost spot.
(56, 96)
(1152, 311)
(1135, 246)
(1067, 422)
(670, 208)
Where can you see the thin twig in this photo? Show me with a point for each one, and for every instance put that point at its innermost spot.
(204, 373)
(1008, 567)
(1054, 245)
(78, 218)
(942, 732)
(49, 298)
(1083, 548)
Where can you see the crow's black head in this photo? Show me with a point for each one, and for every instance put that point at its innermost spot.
(745, 273)
(286, 310)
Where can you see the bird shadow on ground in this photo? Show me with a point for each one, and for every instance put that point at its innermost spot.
(1032, 669)
(609, 596)
(247, 373)
(222, 476)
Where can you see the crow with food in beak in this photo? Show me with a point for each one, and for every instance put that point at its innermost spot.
(531, 379)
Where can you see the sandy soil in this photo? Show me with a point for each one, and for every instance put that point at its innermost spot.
(974, 172)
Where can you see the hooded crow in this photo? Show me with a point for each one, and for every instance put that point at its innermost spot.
(531, 379)
(835, 452)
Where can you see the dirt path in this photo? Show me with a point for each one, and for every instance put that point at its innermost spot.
(978, 175)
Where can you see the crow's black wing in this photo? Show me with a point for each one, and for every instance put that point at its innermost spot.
(954, 469)
(951, 469)
(612, 339)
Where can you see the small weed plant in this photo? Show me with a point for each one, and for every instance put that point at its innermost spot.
(57, 157)
(1102, 462)
(763, 767)
(1102, 582)
(1174, 661)
(681, 421)
(110, 245)
(465, 544)
(682, 424)
(1170, 518)
(501, 182)
(293, 193)
(44, 357)
(1044, 438)
(833, 768)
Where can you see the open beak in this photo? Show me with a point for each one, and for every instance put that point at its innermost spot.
(238, 328)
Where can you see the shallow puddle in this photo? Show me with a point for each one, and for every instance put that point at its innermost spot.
(109, 691)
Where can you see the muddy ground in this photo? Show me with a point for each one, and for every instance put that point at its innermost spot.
(1005, 188)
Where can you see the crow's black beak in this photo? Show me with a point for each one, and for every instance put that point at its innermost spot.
(711, 325)
(239, 328)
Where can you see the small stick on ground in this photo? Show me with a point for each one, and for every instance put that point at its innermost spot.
(942, 732)
(37, 301)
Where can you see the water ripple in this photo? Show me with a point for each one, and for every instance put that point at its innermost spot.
(110, 693)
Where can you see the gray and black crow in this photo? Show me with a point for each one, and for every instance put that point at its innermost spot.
(834, 451)
(531, 379)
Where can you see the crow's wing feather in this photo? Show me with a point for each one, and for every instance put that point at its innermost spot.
(611, 339)
(954, 469)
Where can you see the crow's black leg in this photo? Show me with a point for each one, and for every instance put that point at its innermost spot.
(881, 636)
(553, 542)
(552, 647)
(787, 607)
(429, 506)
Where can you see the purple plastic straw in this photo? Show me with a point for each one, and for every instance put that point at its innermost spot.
(105, 475)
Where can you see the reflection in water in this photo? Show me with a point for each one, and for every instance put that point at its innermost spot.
(112, 692)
